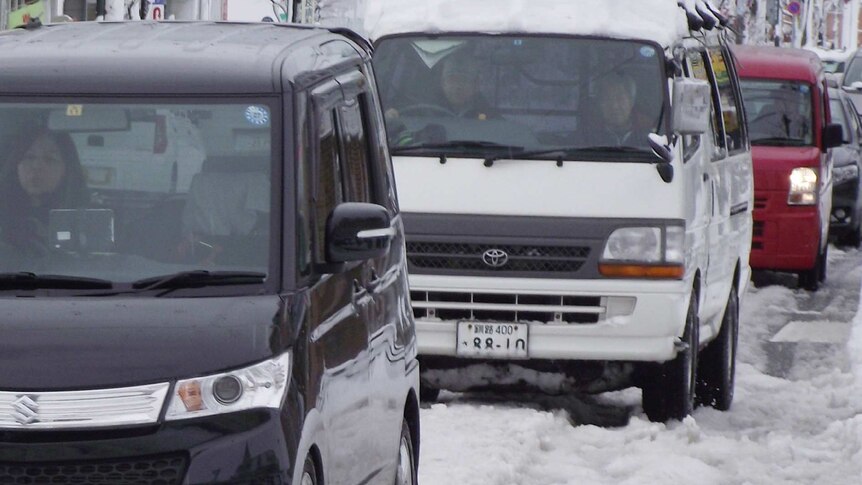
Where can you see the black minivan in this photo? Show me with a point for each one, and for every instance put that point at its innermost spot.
(202, 266)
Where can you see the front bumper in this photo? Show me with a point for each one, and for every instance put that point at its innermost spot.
(637, 320)
(248, 447)
(784, 237)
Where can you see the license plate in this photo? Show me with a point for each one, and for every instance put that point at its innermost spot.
(493, 340)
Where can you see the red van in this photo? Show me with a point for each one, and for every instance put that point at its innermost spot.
(786, 102)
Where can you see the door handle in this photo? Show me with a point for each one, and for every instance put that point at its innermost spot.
(705, 177)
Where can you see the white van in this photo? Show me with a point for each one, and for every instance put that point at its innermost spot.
(576, 184)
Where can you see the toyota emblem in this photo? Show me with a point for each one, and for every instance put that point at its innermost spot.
(495, 258)
(25, 410)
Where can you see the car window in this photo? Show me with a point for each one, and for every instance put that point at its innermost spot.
(731, 106)
(779, 112)
(329, 192)
(508, 94)
(357, 179)
(143, 188)
(698, 66)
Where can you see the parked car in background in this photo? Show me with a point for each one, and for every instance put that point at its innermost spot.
(247, 323)
(787, 105)
(547, 232)
(851, 80)
(834, 61)
(845, 225)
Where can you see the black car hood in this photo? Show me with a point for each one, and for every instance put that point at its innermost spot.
(86, 343)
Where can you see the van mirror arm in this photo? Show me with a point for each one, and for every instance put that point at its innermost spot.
(661, 148)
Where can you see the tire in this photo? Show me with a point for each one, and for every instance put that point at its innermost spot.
(717, 363)
(671, 391)
(405, 470)
(810, 279)
(428, 394)
(852, 238)
(309, 472)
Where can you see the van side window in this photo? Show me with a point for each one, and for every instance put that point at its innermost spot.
(329, 192)
(699, 71)
(690, 143)
(354, 143)
(730, 105)
(304, 184)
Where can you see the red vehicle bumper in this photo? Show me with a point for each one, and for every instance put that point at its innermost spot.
(785, 237)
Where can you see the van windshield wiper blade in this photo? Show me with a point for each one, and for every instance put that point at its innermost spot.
(457, 145)
(559, 154)
(24, 280)
(198, 278)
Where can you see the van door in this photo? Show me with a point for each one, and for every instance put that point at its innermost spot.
(730, 200)
(339, 307)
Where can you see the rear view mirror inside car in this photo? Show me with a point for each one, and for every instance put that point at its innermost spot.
(87, 118)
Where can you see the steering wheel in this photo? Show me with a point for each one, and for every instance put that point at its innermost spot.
(427, 108)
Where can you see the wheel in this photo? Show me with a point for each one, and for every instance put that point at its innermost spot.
(717, 363)
(810, 279)
(428, 394)
(309, 472)
(670, 393)
(406, 472)
(426, 108)
(824, 263)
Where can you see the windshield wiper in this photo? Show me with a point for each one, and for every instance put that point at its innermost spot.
(559, 154)
(24, 280)
(456, 145)
(197, 279)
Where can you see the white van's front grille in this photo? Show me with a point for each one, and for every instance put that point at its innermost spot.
(499, 258)
(507, 307)
(82, 409)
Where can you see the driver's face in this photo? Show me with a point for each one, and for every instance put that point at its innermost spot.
(616, 103)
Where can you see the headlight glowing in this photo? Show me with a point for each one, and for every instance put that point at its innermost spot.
(803, 187)
(262, 385)
(845, 173)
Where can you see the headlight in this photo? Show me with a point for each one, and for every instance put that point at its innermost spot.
(644, 252)
(262, 385)
(803, 187)
(845, 173)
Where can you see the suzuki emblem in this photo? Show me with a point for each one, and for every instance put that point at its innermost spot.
(25, 410)
(495, 258)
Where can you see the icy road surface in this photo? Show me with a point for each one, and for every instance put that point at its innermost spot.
(796, 417)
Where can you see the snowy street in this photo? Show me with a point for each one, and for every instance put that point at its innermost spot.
(796, 416)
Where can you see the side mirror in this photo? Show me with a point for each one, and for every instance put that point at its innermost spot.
(833, 135)
(691, 103)
(357, 231)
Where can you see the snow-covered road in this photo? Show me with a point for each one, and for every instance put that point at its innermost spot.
(796, 417)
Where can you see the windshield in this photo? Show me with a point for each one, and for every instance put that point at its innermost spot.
(520, 96)
(127, 191)
(779, 112)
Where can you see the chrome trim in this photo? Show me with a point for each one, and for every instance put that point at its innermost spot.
(375, 233)
(82, 409)
(508, 307)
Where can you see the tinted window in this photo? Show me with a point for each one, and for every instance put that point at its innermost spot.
(329, 192)
(126, 190)
(505, 95)
(779, 112)
(355, 147)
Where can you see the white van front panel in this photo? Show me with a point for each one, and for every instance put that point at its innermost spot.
(536, 188)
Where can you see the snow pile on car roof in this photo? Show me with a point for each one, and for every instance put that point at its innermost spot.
(661, 21)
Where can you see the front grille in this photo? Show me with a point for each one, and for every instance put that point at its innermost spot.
(94, 408)
(760, 202)
(160, 470)
(507, 307)
(757, 229)
(518, 258)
